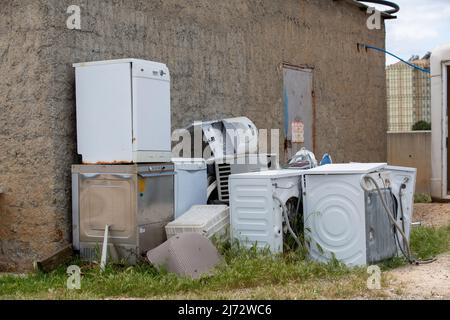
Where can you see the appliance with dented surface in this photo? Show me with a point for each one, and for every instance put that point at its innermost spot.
(135, 201)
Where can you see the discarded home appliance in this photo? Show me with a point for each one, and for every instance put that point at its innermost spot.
(227, 137)
(191, 184)
(345, 214)
(187, 254)
(135, 201)
(440, 106)
(123, 112)
(403, 185)
(234, 145)
(304, 159)
(209, 221)
(226, 166)
(262, 207)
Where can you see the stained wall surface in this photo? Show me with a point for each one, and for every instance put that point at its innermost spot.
(226, 59)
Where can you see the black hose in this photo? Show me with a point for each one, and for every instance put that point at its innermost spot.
(397, 239)
(395, 7)
(415, 261)
(402, 217)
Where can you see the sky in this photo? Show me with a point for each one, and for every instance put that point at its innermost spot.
(421, 26)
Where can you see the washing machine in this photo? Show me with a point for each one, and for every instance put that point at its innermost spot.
(344, 216)
(257, 201)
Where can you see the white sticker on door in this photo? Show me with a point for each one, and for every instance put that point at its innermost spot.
(298, 132)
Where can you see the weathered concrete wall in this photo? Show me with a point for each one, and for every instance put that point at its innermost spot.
(412, 149)
(225, 59)
(34, 215)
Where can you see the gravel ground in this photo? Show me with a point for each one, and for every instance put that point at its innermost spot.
(432, 214)
(429, 281)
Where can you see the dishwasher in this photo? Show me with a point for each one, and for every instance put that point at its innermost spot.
(135, 201)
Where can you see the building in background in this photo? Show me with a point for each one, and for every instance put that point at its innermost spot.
(408, 94)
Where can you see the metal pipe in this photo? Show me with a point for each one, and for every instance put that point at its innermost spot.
(395, 7)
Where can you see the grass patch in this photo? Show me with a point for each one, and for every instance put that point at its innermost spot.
(427, 242)
(422, 198)
(245, 274)
(243, 271)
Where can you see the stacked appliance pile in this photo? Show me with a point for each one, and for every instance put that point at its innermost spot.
(128, 189)
(127, 182)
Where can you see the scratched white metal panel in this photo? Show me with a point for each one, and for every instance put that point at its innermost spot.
(346, 168)
(334, 213)
(270, 174)
(151, 107)
(104, 119)
(254, 218)
(398, 176)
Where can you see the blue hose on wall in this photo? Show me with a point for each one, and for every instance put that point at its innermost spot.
(393, 55)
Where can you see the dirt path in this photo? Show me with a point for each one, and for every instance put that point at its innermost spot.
(429, 281)
(432, 214)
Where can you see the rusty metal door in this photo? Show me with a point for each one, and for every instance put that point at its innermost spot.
(298, 110)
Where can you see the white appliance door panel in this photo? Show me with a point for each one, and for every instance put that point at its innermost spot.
(104, 119)
(335, 218)
(255, 219)
(151, 115)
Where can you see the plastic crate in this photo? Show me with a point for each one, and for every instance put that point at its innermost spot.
(208, 221)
